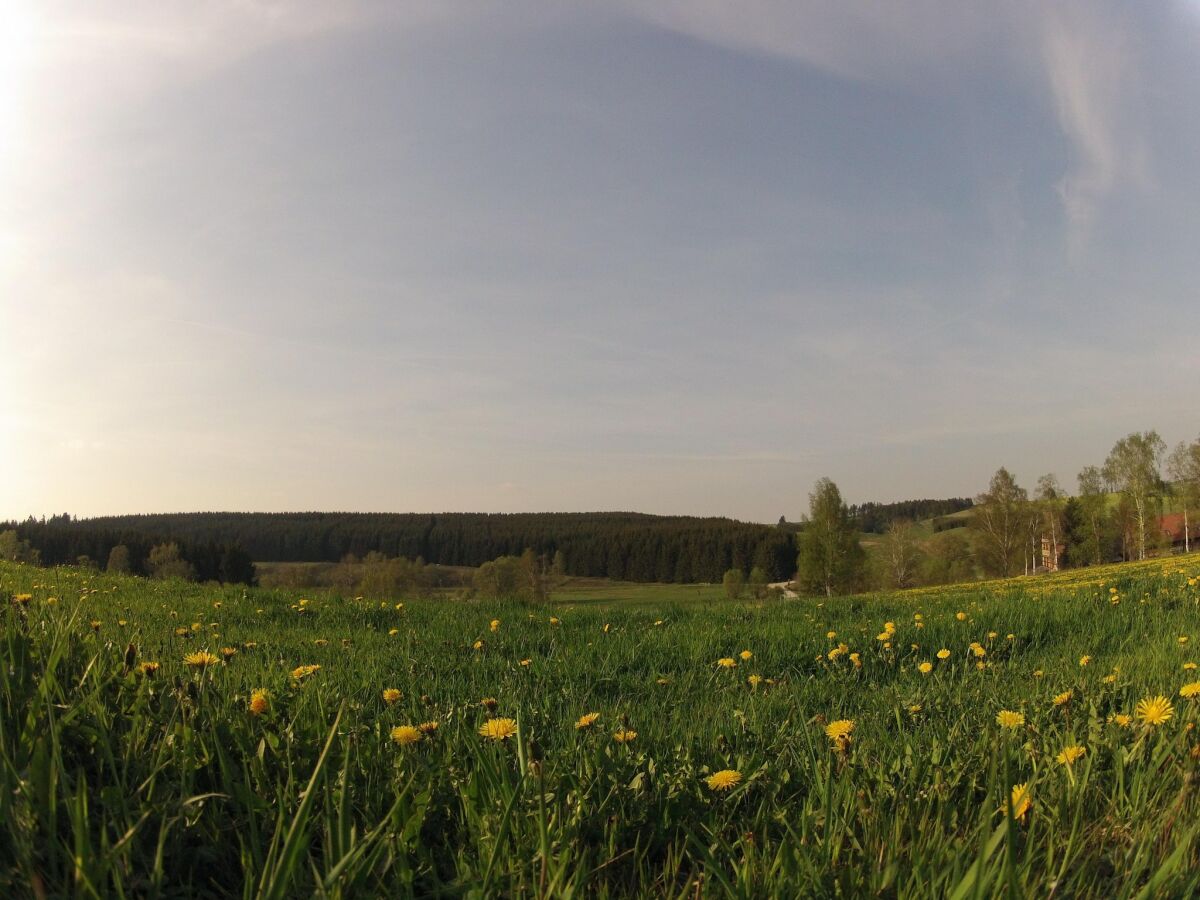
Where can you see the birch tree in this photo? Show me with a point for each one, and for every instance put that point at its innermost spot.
(1133, 467)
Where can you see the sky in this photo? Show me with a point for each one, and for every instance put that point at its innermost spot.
(673, 256)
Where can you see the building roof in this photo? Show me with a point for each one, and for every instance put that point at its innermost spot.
(1172, 526)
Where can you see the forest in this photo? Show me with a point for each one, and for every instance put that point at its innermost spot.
(622, 546)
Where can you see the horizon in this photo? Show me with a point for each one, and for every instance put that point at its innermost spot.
(611, 257)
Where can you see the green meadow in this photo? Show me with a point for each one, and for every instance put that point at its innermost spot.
(119, 778)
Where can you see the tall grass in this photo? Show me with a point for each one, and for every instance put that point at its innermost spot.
(115, 783)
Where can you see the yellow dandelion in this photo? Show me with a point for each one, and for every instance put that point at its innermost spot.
(498, 729)
(527, 663)
(961, 616)
(301, 672)
(1008, 718)
(943, 654)
(494, 625)
(478, 645)
(228, 653)
(391, 695)
(1190, 691)
(1189, 666)
(489, 703)
(831, 634)
(925, 667)
(727, 662)
(624, 735)
(1084, 660)
(1154, 711)
(1020, 800)
(754, 680)
(746, 655)
(1122, 720)
(259, 702)
(724, 780)
(404, 735)
(148, 668)
(1064, 698)
(587, 720)
(839, 729)
(428, 728)
(392, 632)
(1069, 755)
(201, 659)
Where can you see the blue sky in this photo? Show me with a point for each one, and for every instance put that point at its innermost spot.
(674, 256)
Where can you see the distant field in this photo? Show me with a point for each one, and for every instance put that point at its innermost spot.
(739, 749)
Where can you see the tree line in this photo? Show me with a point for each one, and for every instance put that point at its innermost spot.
(62, 540)
(621, 546)
(1115, 514)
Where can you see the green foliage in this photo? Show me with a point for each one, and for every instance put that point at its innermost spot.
(114, 783)
(831, 559)
(734, 584)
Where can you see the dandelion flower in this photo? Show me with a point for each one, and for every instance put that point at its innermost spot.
(839, 730)
(228, 653)
(724, 780)
(391, 695)
(746, 655)
(1069, 755)
(1190, 691)
(727, 662)
(148, 668)
(498, 729)
(527, 663)
(494, 625)
(754, 680)
(1084, 660)
(943, 654)
(488, 703)
(1007, 718)
(1154, 711)
(1122, 720)
(301, 672)
(259, 702)
(925, 667)
(961, 616)
(587, 720)
(1020, 800)
(428, 728)
(201, 659)
(1064, 698)
(624, 735)
(404, 735)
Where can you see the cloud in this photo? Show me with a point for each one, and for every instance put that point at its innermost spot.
(1075, 55)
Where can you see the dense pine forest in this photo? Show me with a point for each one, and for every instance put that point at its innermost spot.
(624, 546)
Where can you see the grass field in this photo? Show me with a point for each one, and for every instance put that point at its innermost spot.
(118, 778)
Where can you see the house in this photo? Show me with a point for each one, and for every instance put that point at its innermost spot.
(1173, 530)
(1052, 554)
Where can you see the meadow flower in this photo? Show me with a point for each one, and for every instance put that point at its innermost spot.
(1084, 660)
(488, 703)
(943, 654)
(404, 735)
(961, 616)
(478, 645)
(391, 695)
(727, 662)
(148, 668)
(1020, 800)
(1189, 666)
(754, 680)
(301, 672)
(831, 634)
(1069, 755)
(392, 632)
(228, 653)
(201, 659)
(494, 625)
(259, 702)
(1007, 718)
(1121, 720)
(554, 620)
(1190, 690)
(526, 662)
(839, 730)
(925, 667)
(498, 729)
(1154, 711)
(428, 728)
(724, 780)
(624, 735)
(1064, 698)
(746, 655)
(587, 720)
